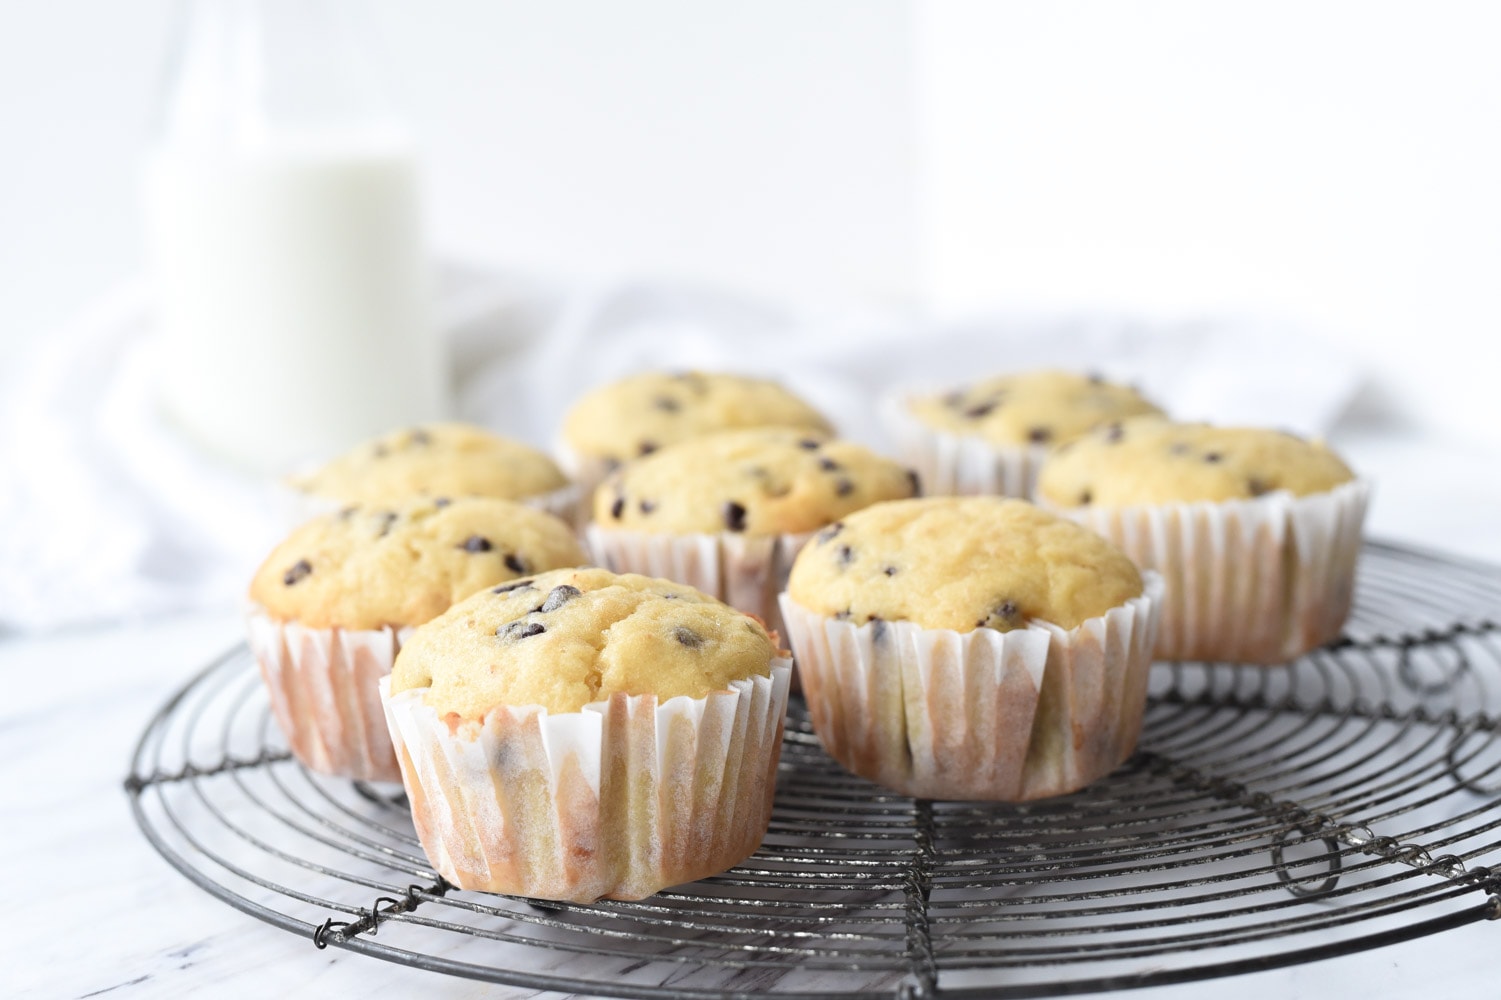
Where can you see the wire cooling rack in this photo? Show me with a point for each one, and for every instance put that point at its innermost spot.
(1270, 816)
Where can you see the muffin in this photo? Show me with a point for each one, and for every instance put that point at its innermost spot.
(637, 415)
(992, 436)
(971, 648)
(727, 513)
(443, 460)
(580, 735)
(332, 603)
(1256, 532)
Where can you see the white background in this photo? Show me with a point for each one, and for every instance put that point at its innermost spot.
(1332, 162)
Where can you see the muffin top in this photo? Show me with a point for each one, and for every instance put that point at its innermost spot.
(761, 482)
(961, 563)
(1044, 408)
(368, 567)
(637, 415)
(435, 460)
(571, 637)
(1151, 461)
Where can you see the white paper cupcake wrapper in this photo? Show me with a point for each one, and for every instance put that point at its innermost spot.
(960, 464)
(745, 571)
(324, 694)
(619, 800)
(1248, 581)
(1002, 716)
(564, 502)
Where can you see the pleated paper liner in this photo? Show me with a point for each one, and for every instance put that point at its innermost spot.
(619, 800)
(324, 692)
(1259, 581)
(981, 715)
(745, 571)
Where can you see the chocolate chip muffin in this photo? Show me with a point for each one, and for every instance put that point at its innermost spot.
(728, 512)
(1256, 531)
(990, 437)
(578, 734)
(442, 460)
(332, 602)
(636, 416)
(971, 648)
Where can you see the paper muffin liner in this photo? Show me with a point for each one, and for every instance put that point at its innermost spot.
(980, 715)
(961, 464)
(1259, 581)
(324, 694)
(566, 503)
(745, 571)
(619, 800)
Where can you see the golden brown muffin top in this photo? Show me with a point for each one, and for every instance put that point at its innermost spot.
(961, 563)
(765, 481)
(402, 564)
(637, 415)
(568, 638)
(1152, 461)
(1039, 408)
(435, 460)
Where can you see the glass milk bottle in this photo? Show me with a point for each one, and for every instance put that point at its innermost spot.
(292, 291)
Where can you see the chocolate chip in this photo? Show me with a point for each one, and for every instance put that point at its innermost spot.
(520, 630)
(1115, 432)
(1213, 457)
(647, 506)
(827, 464)
(1086, 498)
(688, 637)
(827, 534)
(877, 628)
(916, 481)
(844, 488)
(388, 518)
(842, 616)
(442, 502)
(666, 404)
(846, 555)
(1039, 435)
(1005, 616)
(421, 437)
(617, 509)
(506, 588)
(514, 563)
(646, 447)
(671, 597)
(980, 410)
(734, 515)
(559, 596)
(611, 464)
(300, 569)
(477, 543)
(348, 512)
(889, 570)
(809, 444)
(1007, 609)
(1257, 486)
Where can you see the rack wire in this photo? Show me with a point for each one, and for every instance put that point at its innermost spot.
(1269, 817)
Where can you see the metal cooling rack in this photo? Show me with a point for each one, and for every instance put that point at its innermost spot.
(1270, 816)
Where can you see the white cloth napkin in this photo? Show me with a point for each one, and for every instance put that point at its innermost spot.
(107, 514)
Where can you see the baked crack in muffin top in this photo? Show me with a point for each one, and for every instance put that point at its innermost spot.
(367, 567)
(447, 459)
(571, 637)
(961, 563)
(1153, 461)
(1037, 408)
(640, 414)
(758, 482)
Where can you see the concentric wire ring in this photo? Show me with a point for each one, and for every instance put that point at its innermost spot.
(1270, 816)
